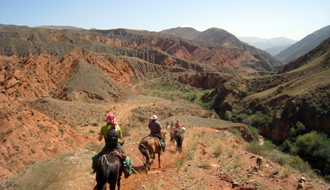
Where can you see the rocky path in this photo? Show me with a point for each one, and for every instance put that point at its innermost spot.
(235, 168)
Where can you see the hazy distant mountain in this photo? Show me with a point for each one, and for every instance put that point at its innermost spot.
(59, 27)
(267, 43)
(276, 49)
(305, 45)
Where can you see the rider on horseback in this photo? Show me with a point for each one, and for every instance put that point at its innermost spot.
(112, 126)
(155, 128)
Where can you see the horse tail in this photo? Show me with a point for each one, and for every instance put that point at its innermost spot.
(103, 172)
(143, 149)
(179, 140)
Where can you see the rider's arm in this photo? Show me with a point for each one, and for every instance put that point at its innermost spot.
(120, 136)
(100, 137)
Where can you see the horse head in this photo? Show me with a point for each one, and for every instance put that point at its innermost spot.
(163, 135)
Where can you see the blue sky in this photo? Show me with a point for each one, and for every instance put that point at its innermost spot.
(243, 18)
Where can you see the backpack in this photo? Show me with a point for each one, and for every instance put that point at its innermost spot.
(112, 139)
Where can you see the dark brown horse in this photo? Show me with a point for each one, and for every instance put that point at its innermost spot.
(149, 146)
(108, 170)
(177, 136)
(179, 140)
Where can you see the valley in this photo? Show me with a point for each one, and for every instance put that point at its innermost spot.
(57, 85)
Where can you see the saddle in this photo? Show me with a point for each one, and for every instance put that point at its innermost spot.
(121, 156)
(159, 138)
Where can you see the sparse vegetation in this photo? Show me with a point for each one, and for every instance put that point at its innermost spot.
(179, 161)
(217, 150)
(126, 130)
(268, 150)
(191, 144)
(53, 172)
(205, 165)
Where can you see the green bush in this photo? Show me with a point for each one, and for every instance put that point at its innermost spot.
(261, 119)
(300, 129)
(241, 117)
(299, 164)
(191, 97)
(313, 145)
(228, 115)
(254, 133)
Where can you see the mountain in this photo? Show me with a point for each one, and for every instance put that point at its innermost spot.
(153, 47)
(59, 27)
(182, 32)
(225, 39)
(305, 45)
(276, 49)
(265, 44)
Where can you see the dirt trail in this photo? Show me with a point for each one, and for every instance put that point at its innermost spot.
(235, 168)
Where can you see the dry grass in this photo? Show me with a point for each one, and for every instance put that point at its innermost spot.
(217, 149)
(47, 174)
(190, 143)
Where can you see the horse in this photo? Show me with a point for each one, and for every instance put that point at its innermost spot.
(108, 169)
(179, 140)
(172, 135)
(149, 146)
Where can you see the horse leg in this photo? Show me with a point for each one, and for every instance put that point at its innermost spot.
(159, 159)
(113, 181)
(118, 183)
(145, 153)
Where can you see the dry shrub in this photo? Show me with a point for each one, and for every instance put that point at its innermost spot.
(179, 161)
(217, 150)
(190, 145)
(47, 174)
(126, 130)
(156, 183)
(205, 165)
(94, 146)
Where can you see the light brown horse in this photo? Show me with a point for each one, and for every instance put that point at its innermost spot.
(149, 146)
